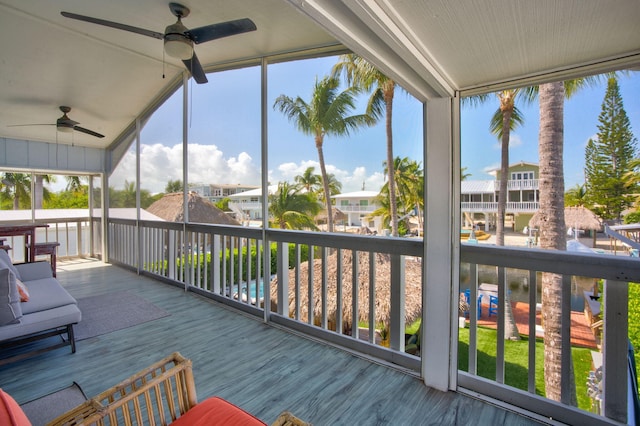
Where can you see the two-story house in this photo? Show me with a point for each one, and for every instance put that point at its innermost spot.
(217, 191)
(479, 198)
(357, 206)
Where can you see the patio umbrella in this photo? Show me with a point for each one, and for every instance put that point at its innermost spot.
(170, 208)
(382, 306)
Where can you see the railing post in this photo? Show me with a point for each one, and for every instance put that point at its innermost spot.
(215, 263)
(397, 325)
(171, 253)
(615, 347)
(283, 279)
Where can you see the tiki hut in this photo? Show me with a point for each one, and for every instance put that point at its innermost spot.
(170, 208)
(578, 218)
(382, 307)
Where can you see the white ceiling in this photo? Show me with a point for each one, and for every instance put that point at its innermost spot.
(432, 47)
(109, 76)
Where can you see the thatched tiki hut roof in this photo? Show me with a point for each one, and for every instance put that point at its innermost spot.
(170, 208)
(382, 307)
(575, 217)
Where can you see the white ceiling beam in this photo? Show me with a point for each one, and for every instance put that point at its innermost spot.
(368, 37)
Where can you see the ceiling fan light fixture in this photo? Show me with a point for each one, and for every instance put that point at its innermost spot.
(178, 46)
(65, 129)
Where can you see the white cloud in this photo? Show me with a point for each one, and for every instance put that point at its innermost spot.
(208, 164)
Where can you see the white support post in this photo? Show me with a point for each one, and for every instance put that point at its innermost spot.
(615, 350)
(437, 356)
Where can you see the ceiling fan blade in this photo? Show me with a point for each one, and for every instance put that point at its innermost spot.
(194, 67)
(116, 25)
(87, 131)
(223, 29)
(24, 125)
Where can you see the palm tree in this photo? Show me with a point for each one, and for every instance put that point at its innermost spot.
(326, 114)
(18, 187)
(291, 209)
(553, 228)
(74, 183)
(335, 186)
(576, 196)
(40, 192)
(463, 174)
(309, 181)
(409, 179)
(361, 74)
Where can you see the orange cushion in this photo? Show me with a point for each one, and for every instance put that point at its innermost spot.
(10, 412)
(23, 290)
(216, 411)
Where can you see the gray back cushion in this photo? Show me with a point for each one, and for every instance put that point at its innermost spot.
(10, 309)
(5, 262)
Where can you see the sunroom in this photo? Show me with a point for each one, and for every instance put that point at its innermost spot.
(125, 87)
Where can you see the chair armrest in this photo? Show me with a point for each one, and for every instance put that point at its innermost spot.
(34, 270)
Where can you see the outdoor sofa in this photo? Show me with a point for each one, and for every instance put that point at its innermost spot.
(33, 306)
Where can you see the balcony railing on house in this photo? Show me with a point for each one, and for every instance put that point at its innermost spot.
(228, 265)
(492, 207)
(357, 208)
(516, 184)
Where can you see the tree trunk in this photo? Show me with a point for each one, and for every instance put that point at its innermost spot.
(325, 184)
(506, 106)
(391, 175)
(552, 234)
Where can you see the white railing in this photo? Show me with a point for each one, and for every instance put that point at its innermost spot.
(225, 263)
(77, 237)
(525, 184)
(492, 207)
(357, 208)
(249, 205)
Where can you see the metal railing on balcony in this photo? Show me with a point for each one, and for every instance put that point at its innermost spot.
(339, 298)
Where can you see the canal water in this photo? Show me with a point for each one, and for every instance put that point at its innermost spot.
(518, 284)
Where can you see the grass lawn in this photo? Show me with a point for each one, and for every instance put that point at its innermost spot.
(516, 362)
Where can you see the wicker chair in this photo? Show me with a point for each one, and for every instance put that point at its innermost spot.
(158, 395)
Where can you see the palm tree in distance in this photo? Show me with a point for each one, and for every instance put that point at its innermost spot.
(505, 119)
(290, 208)
(335, 186)
(361, 74)
(18, 187)
(327, 113)
(309, 181)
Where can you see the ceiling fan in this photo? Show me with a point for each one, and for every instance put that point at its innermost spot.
(178, 39)
(65, 124)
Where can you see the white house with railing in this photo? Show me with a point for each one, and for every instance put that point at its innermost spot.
(358, 206)
(479, 198)
(248, 204)
(215, 192)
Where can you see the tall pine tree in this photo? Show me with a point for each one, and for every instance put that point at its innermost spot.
(608, 158)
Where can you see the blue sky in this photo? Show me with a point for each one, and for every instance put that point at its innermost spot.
(224, 133)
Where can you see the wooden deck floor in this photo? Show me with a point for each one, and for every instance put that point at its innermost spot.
(260, 368)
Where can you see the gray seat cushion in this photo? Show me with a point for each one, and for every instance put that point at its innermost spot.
(10, 309)
(41, 321)
(46, 294)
